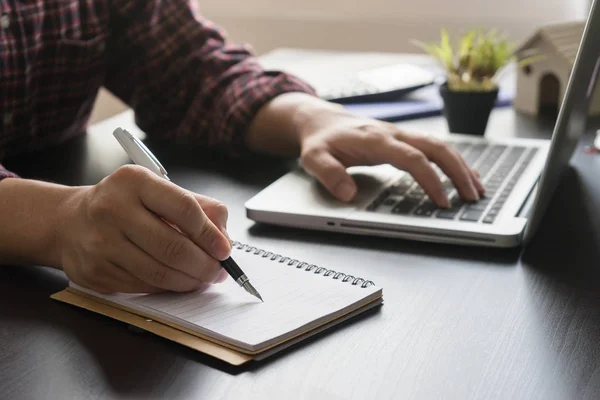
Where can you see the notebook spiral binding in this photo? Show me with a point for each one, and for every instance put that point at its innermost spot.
(299, 264)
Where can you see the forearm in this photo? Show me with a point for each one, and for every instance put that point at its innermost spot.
(280, 124)
(29, 220)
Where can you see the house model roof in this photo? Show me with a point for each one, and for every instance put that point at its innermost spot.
(563, 37)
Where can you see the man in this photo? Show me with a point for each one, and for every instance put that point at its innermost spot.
(186, 85)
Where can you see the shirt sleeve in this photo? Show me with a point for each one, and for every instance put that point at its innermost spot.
(181, 78)
(4, 173)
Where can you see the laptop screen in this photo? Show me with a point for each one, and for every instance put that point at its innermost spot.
(572, 117)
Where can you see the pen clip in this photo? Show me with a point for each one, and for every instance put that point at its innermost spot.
(144, 156)
(149, 153)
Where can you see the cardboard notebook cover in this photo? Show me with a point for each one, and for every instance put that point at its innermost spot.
(191, 340)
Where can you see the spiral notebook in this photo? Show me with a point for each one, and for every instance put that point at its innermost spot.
(300, 299)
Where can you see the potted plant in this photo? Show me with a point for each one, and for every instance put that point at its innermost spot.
(471, 67)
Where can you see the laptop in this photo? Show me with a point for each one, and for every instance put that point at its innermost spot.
(520, 176)
(351, 77)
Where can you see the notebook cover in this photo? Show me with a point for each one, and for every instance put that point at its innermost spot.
(224, 353)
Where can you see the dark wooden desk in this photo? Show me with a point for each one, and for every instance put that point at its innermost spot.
(460, 323)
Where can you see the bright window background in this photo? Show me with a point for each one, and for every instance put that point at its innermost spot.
(372, 25)
(381, 25)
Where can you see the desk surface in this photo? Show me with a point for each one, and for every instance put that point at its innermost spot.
(457, 322)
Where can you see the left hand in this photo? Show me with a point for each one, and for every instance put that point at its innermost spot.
(332, 141)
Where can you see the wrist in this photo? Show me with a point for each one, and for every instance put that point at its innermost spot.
(281, 126)
(311, 115)
(66, 212)
(29, 231)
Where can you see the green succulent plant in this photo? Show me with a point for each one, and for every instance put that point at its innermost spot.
(474, 62)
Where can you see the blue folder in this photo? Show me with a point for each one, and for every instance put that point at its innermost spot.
(421, 103)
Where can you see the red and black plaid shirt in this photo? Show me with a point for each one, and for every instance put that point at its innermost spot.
(160, 57)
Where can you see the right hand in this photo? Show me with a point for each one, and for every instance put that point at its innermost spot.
(114, 237)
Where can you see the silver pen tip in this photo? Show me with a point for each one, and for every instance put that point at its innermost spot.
(250, 289)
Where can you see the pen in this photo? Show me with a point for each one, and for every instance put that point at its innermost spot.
(141, 155)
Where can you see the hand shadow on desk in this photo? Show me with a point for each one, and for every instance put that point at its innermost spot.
(256, 169)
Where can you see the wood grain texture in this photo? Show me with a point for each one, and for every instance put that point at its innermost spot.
(457, 323)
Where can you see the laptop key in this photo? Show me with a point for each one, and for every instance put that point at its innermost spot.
(446, 214)
(476, 151)
(418, 190)
(480, 206)
(416, 197)
(426, 209)
(400, 188)
(490, 160)
(407, 180)
(389, 202)
(374, 206)
(488, 219)
(471, 215)
(493, 212)
(456, 202)
(461, 147)
(405, 206)
(448, 184)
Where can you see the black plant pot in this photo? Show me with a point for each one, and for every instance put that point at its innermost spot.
(467, 112)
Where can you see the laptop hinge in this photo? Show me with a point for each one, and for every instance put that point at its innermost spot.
(525, 209)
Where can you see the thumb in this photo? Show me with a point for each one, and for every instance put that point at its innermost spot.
(331, 173)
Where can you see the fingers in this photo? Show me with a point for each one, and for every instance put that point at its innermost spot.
(476, 178)
(474, 174)
(173, 257)
(155, 273)
(140, 233)
(117, 279)
(331, 173)
(451, 163)
(476, 181)
(414, 161)
(181, 208)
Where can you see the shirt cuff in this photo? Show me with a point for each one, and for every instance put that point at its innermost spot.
(243, 100)
(6, 174)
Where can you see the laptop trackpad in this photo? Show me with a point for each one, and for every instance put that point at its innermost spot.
(300, 194)
(369, 182)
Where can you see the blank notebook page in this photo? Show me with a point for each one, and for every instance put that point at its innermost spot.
(293, 299)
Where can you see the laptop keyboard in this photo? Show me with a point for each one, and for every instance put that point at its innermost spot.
(500, 167)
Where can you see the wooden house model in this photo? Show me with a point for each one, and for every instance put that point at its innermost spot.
(541, 85)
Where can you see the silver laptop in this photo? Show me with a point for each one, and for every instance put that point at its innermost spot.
(520, 176)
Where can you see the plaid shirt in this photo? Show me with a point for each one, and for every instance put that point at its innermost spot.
(172, 67)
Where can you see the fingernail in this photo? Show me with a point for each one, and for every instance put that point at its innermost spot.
(222, 276)
(445, 202)
(481, 187)
(345, 191)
